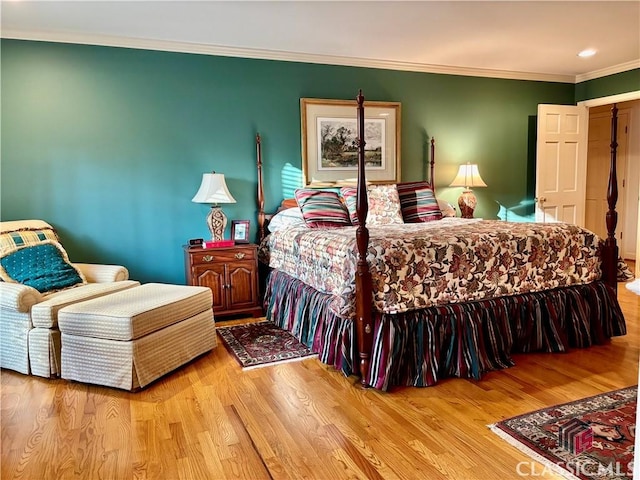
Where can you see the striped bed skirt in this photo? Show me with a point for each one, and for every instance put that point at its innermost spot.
(465, 340)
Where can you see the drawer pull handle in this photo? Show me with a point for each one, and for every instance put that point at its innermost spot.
(207, 258)
(240, 255)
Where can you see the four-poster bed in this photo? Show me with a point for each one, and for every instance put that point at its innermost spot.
(410, 303)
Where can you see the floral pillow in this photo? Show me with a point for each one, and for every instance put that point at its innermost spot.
(384, 204)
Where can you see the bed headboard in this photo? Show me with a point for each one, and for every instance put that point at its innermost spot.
(263, 217)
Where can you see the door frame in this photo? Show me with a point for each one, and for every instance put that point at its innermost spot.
(623, 97)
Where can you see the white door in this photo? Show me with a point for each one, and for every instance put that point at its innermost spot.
(561, 163)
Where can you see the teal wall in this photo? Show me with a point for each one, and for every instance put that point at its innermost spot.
(109, 144)
(610, 85)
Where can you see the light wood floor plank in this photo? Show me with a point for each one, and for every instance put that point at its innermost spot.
(211, 420)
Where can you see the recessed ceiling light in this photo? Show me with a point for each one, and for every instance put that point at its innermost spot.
(589, 52)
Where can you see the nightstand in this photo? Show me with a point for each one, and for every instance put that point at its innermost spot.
(231, 273)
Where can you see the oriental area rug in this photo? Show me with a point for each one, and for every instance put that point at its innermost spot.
(262, 344)
(589, 439)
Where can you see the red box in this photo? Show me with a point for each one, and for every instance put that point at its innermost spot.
(219, 244)
(575, 436)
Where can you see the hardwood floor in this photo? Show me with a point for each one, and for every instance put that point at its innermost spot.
(210, 420)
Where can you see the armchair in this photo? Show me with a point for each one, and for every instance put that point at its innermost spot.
(29, 335)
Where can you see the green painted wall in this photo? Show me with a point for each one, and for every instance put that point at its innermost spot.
(610, 85)
(109, 144)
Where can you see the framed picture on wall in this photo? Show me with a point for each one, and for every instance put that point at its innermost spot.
(329, 148)
(240, 231)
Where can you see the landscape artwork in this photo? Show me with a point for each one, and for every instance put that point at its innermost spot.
(338, 149)
(329, 141)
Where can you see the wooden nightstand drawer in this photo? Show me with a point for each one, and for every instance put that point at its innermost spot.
(201, 256)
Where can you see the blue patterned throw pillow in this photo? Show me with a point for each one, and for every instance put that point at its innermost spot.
(44, 266)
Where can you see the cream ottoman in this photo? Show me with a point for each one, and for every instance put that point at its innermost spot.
(130, 338)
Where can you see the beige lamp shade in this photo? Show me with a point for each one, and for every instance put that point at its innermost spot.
(468, 176)
(213, 189)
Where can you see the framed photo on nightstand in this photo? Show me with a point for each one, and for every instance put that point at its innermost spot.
(240, 231)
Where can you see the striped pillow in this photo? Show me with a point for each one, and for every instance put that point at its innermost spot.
(418, 202)
(10, 240)
(321, 208)
(349, 195)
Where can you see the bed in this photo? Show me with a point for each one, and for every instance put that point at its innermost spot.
(407, 304)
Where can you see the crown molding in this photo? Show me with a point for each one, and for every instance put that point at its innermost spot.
(262, 54)
(623, 67)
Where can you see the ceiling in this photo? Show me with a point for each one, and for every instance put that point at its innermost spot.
(536, 40)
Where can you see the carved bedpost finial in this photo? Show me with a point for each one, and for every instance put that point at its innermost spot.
(610, 249)
(260, 189)
(362, 206)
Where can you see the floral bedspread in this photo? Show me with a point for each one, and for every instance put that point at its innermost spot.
(452, 260)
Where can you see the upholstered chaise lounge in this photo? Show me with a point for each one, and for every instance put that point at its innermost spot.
(29, 335)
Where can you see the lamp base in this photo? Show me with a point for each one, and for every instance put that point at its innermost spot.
(467, 203)
(217, 222)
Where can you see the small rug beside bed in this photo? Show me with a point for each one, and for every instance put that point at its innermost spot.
(262, 344)
(601, 430)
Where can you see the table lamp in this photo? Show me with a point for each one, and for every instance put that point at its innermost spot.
(468, 176)
(213, 190)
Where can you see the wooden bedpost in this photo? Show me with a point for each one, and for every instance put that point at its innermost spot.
(260, 189)
(364, 328)
(432, 179)
(610, 249)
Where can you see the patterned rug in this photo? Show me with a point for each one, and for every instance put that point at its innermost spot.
(262, 344)
(589, 439)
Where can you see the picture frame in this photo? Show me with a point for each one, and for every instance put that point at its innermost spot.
(240, 231)
(329, 149)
